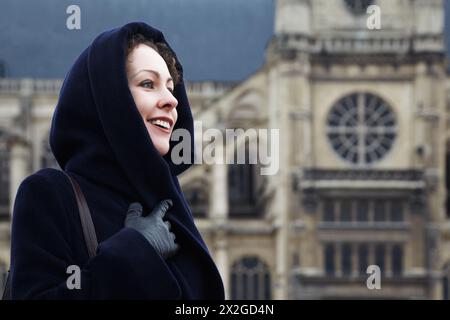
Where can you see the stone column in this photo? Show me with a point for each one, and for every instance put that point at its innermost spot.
(388, 258)
(337, 259)
(18, 167)
(279, 118)
(219, 191)
(219, 215)
(371, 253)
(355, 266)
(221, 259)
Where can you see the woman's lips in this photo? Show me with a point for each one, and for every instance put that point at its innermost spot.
(158, 127)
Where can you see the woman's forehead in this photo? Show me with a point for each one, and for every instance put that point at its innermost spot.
(144, 57)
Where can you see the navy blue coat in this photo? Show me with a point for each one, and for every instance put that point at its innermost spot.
(98, 136)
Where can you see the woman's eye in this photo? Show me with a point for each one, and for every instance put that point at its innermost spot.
(147, 84)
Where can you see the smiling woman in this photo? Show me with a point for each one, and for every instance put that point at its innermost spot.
(152, 75)
(111, 131)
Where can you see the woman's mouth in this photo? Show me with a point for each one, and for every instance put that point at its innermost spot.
(162, 125)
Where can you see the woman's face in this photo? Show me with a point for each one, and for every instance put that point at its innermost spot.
(152, 87)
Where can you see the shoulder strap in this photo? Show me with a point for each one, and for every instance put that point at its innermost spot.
(86, 220)
(88, 231)
(6, 295)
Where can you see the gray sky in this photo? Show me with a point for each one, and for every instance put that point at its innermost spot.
(214, 39)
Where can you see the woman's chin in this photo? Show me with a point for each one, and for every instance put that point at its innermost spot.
(162, 149)
(161, 143)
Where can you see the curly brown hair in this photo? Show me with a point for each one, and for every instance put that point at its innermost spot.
(163, 50)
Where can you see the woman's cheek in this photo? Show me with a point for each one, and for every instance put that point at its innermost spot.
(140, 104)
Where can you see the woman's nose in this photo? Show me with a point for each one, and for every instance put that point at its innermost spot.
(168, 101)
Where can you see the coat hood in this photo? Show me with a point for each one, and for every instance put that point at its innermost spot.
(98, 133)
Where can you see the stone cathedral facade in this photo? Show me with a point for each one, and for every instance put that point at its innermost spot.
(364, 154)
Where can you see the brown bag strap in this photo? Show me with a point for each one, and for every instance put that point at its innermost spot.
(86, 219)
(88, 231)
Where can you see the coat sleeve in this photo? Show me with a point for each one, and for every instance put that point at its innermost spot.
(126, 265)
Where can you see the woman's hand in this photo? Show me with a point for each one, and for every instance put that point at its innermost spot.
(153, 228)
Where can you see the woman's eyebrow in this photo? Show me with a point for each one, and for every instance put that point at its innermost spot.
(156, 73)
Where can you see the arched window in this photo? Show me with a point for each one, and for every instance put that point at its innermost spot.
(250, 280)
(197, 198)
(241, 194)
(4, 177)
(244, 182)
(361, 128)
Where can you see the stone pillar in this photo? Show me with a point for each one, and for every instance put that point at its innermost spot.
(355, 266)
(434, 272)
(337, 259)
(371, 253)
(219, 214)
(279, 118)
(18, 167)
(219, 192)
(388, 268)
(221, 259)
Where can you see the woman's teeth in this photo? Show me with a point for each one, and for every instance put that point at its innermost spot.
(161, 123)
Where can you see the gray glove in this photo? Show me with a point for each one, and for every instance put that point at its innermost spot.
(153, 228)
